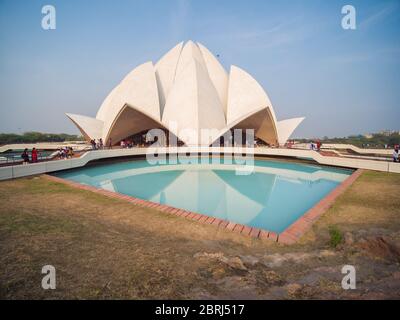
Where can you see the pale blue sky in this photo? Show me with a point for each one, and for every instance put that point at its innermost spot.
(344, 82)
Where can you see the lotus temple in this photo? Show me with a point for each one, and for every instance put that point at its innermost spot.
(181, 182)
(187, 89)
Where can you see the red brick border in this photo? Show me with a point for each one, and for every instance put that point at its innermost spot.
(289, 236)
(301, 225)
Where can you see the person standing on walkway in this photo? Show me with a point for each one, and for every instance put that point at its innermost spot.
(319, 145)
(70, 152)
(25, 156)
(395, 155)
(34, 155)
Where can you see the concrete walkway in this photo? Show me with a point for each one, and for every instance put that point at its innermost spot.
(76, 145)
(385, 152)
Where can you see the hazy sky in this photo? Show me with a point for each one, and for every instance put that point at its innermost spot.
(343, 81)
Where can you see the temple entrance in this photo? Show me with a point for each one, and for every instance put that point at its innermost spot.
(139, 140)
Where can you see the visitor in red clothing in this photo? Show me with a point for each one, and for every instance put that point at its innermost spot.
(34, 155)
(318, 145)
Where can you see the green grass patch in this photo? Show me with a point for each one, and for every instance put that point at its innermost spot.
(25, 223)
(387, 178)
(336, 236)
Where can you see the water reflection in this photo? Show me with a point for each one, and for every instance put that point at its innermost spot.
(271, 198)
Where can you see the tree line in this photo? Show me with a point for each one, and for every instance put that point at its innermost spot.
(376, 140)
(33, 137)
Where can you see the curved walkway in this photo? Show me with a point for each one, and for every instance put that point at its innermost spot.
(78, 146)
(386, 152)
(11, 172)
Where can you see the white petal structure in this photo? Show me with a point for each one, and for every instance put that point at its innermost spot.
(165, 73)
(136, 94)
(190, 53)
(217, 74)
(286, 128)
(102, 112)
(186, 92)
(249, 106)
(192, 105)
(90, 128)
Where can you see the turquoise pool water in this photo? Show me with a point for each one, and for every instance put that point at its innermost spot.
(274, 196)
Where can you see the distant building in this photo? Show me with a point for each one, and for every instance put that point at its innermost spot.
(388, 132)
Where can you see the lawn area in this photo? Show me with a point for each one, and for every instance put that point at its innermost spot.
(108, 248)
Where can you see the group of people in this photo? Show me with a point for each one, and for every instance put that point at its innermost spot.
(98, 145)
(396, 157)
(65, 153)
(33, 158)
(126, 143)
(316, 146)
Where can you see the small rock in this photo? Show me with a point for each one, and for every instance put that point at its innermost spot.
(274, 260)
(219, 273)
(249, 260)
(380, 247)
(293, 289)
(326, 253)
(272, 277)
(206, 255)
(234, 263)
(348, 239)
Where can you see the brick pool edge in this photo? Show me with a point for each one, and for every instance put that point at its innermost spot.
(293, 233)
(289, 236)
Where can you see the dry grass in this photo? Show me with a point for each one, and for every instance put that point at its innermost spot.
(371, 202)
(107, 248)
